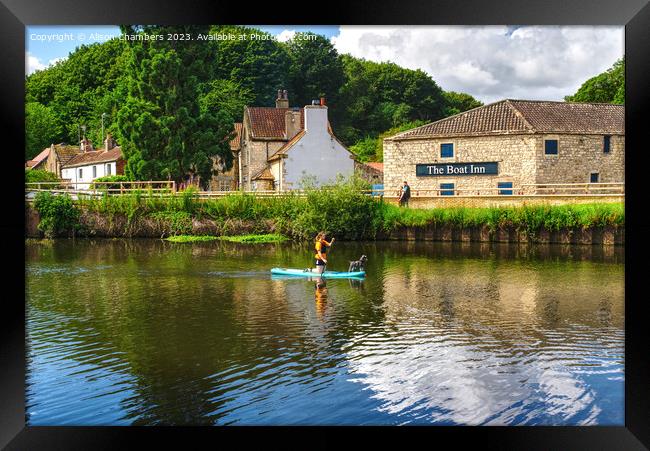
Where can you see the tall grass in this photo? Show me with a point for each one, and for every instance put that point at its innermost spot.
(344, 212)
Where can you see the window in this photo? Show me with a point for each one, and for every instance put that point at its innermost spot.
(108, 169)
(607, 143)
(94, 171)
(81, 173)
(446, 150)
(447, 189)
(505, 185)
(550, 147)
(593, 177)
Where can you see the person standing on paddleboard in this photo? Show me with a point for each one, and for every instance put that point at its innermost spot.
(321, 252)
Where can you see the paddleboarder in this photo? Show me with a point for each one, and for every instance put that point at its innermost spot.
(321, 247)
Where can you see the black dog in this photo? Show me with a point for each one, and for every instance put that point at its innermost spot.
(358, 265)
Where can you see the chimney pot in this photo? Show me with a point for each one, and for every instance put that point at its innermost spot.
(283, 99)
(322, 101)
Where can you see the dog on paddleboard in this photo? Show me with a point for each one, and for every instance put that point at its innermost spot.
(358, 265)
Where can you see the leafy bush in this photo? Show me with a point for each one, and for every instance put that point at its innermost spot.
(40, 175)
(58, 214)
(109, 178)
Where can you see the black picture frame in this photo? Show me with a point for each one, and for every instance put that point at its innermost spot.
(633, 14)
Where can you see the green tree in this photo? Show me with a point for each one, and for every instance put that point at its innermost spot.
(80, 88)
(315, 71)
(165, 133)
(608, 87)
(372, 148)
(228, 96)
(457, 102)
(42, 128)
(380, 96)
(258, 63)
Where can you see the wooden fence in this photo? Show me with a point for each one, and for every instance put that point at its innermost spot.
(168, 188)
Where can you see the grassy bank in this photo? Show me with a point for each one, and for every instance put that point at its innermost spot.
(264, 238)
(342, 211)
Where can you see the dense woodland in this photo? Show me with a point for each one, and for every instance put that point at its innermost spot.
(172, 104)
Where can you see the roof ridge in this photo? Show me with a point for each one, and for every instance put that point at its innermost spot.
(521, 115)
(564, 102)
(448, 118)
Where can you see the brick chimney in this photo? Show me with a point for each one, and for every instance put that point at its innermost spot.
(292, 123)
(109, 142)
(85, 145)
(283, 99)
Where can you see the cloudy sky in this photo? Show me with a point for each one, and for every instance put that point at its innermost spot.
(488, 62)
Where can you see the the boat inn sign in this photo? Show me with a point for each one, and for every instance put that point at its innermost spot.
(437, 170)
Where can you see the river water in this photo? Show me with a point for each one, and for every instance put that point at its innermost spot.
(147, 332)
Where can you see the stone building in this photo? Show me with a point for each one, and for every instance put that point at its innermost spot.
(53, 158)
(281, 145)
(228, 180)
(501, 147)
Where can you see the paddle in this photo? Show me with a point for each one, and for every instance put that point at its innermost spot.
(330, 246)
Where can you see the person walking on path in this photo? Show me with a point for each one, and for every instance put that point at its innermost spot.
(404, 195)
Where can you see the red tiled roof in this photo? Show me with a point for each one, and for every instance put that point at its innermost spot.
(376, 166)
(235, 143)
(526, 116)
(269, 122)
(95, 156)
(39, 158)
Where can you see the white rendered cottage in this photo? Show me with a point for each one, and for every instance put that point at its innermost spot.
(281, 145)
(91, 164)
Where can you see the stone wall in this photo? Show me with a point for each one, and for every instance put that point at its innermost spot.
(578, 156)
(258, 157)
(521, 160)
(515, 155)
(505, 201)
(368, 173)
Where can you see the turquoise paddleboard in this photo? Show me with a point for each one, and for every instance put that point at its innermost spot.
(308, 273)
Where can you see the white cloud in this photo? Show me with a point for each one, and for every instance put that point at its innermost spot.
(492, 62)
(33, 63)
(286, 35)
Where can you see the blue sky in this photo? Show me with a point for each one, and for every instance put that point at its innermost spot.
(489, 62)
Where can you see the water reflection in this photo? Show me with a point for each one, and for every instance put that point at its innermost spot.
(151, 332)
